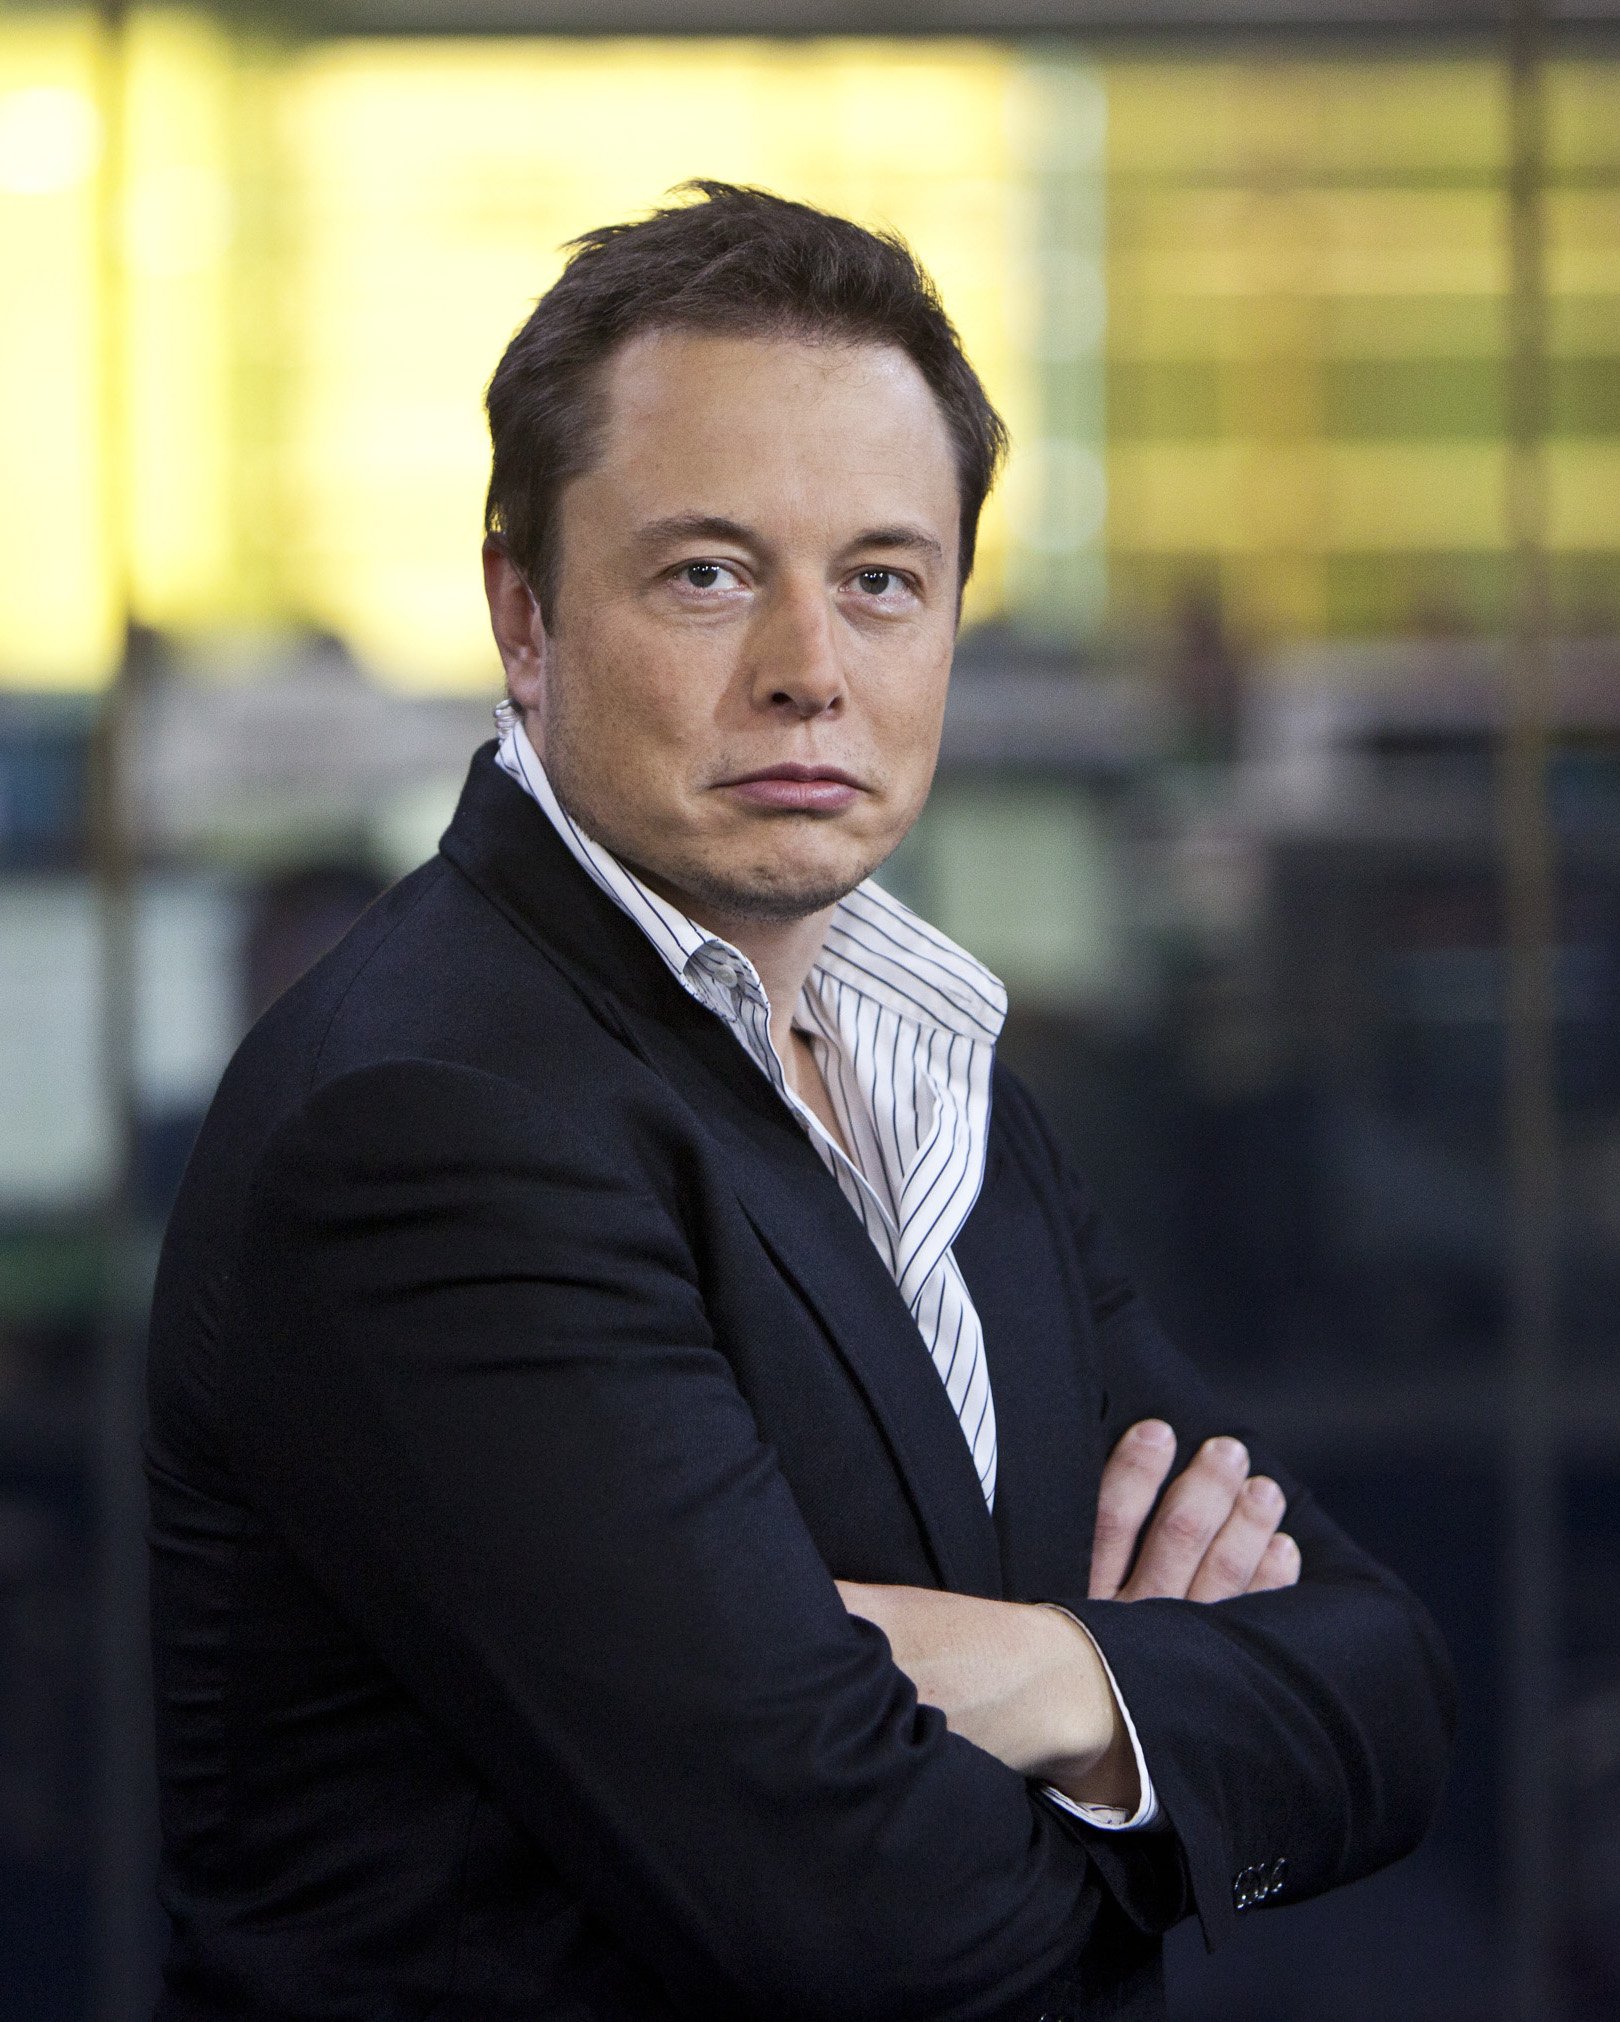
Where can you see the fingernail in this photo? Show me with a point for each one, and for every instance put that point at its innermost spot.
(1264, 1493)
(1229, 1452)
(1154, 1432)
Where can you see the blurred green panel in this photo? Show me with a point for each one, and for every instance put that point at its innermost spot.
(1412, 397)
(1585, 325)
(1464, 594)
(1583, 120)
(1421, 326)
(1405, 594)
(1157, 588)
(1586, 594)
(51, 1277)
(1584, 397)
(1028, 876)
(1164, 397)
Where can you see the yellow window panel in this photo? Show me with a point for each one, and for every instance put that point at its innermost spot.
(1388, 496)
(1401, 118)
(1258, 498)
(1583, 118)
(1313, 242)
(1177, 121)
(58, 616)
(1204, 498)
(1462, 328)
(178, 229)
(322, 251)
(1583, 245)
(435, 183)
(1584, 326)
(1583, 495)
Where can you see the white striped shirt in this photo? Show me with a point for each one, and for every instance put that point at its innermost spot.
(903, 1025)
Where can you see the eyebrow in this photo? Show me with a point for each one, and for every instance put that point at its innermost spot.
(909, 540)
(695, 527)
(716, 527)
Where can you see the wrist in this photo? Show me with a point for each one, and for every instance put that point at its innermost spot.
(1090, 1758)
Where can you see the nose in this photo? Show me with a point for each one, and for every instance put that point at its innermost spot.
(795, 669)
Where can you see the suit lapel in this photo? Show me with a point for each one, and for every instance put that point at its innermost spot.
(505, 845)
(1046, 1415)
(798, 1212)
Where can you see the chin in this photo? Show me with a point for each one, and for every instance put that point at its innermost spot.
(774, 893)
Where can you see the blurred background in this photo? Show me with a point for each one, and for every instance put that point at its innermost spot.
(1281, 781)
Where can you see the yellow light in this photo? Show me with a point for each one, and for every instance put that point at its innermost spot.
(322, 250)
(50, 139)
(436, 183)
(58, 624)
(1265, 231)
(177, 231)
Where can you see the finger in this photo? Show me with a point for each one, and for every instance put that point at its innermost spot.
(1132, 1477)
(1278, 1567)
(1195, 1506)
(1235, 1551)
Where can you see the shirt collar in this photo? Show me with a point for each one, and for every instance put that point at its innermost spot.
(875, 946)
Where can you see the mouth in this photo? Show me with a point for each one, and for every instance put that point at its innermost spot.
(795, 789)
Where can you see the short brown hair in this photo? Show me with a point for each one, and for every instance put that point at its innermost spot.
(742, 261)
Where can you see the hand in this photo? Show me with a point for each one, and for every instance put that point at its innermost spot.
(1214, 1534)
(1025, 1682)
(1020, 1680)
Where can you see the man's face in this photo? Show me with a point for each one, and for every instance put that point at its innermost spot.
(758, 573)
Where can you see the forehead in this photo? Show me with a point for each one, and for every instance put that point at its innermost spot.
(736, 424)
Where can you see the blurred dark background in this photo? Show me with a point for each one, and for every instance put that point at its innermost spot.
(1281, 780)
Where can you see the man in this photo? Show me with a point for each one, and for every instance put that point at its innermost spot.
(656, 1472)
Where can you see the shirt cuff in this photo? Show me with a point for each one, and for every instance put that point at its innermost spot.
(1112, 1817)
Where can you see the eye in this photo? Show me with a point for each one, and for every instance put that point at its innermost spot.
(705, 575)
(888, 584)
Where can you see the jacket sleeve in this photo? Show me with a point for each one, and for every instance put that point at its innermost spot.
(1296, 1739)
(478, 1396)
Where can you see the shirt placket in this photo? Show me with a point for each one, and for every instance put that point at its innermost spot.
(738, 984)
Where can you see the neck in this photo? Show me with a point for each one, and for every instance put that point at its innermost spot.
(783, 952)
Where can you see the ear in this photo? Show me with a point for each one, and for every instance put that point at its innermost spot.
(520, 632)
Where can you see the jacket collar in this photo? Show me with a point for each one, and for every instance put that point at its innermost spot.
(875, 947)
(502, 843)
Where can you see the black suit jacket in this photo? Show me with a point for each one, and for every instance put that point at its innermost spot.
(520, 1382)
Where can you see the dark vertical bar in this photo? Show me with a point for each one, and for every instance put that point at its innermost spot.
(122, 1830)
(1531, 1792)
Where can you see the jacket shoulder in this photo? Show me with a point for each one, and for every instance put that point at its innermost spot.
(432, 971)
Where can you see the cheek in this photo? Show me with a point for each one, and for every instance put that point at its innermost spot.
(631, 702)
(910, 712)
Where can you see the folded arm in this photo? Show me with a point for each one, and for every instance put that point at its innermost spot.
(1292, 1702)
(1297, 1737)
(1038, 1695)
(477, 1393)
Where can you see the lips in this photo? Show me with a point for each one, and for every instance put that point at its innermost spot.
(796, 789)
